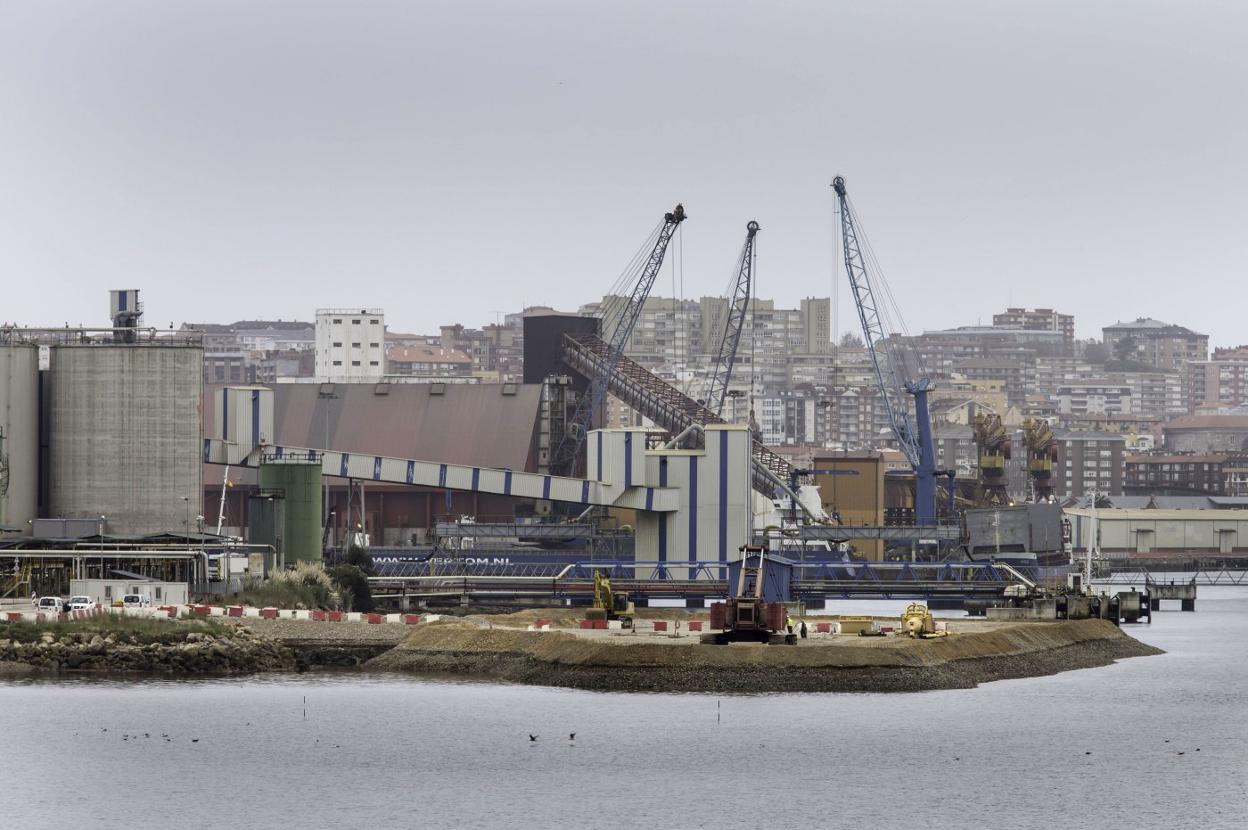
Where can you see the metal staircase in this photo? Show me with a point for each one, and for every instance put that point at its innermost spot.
(662, 403)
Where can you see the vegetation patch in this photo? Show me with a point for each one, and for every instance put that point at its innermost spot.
(309, 586)
(125, 629)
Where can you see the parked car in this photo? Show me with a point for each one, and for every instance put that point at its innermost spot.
(136, 601)
(50, 605)
(81, 604)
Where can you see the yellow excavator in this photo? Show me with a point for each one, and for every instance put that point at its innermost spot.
(609, 604)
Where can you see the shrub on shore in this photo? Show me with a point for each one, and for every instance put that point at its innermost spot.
(309, 585)
(362, 559)
(306, 586)
(352, 583)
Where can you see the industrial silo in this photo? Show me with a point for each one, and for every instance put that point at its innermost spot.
(125, 433)
(292, 486)
(19, 435)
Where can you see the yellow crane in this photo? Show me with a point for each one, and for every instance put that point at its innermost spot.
(993, 445)
(1041, 456)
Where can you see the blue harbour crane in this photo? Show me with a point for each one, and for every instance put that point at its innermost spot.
(913, 427)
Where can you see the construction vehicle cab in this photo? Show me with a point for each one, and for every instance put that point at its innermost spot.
(609, 604)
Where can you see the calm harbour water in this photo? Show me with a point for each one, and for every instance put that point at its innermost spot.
(392, 752)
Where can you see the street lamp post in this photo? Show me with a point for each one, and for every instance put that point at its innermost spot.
(326, 396)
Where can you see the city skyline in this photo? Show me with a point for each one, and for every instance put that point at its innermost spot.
(1078, 156)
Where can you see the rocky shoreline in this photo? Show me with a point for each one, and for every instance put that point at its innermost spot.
(233, 651)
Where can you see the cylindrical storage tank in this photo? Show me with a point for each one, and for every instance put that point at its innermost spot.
(125, 435)
(297, 482)
(19, 435)
(265, 520)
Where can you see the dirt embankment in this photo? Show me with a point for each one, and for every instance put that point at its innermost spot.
(893, 664)
(342, 644)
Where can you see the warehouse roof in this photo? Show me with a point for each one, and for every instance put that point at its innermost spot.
(486, 425)
(426, 354)
(1148, 515)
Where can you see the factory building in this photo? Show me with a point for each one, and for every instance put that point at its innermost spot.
(108, 432)
(484, 425)
(19, 432)
(123, 433)
(350, 344)
(1160, 534)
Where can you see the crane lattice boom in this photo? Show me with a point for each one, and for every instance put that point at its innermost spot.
(914, 434)
(569, 448)
(734, 323)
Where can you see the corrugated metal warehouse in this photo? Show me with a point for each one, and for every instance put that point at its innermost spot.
(1158, 533)
(486, 425)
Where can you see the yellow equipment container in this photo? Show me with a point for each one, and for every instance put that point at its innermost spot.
(917, 620)
(855, 625)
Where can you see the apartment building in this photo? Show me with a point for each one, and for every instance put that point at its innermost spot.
(1182, 474)
(428, 362)
(1087, 462)
(1155, 343)
(1039, 319)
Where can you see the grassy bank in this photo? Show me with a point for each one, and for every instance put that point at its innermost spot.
(124, 629)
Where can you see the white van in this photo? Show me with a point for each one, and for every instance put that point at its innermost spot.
(136, 601)
(50, 605)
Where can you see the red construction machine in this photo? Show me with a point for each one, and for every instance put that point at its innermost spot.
(747, 616)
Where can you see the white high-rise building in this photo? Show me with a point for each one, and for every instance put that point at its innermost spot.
(350, 344)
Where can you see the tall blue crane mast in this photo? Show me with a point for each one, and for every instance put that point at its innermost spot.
(738, 305)
(567, 452)
(914, 432)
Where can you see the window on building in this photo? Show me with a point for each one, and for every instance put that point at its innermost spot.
(338, 321)
(355, 363)
(374, 322)
(373, 363)
(337, 344)
(355, 345)
(337, 362)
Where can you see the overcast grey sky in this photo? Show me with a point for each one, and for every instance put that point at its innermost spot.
(449, 160)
